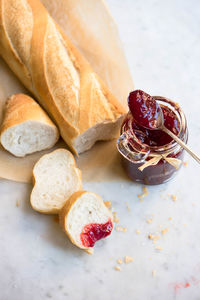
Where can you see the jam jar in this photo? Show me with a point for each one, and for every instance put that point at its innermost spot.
(151, 156)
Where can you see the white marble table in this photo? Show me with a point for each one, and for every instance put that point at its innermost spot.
(161, 40)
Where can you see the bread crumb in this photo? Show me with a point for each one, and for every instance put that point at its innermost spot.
(17, 203)
(163, 231)
(151, 236)
(116, 219)
(154, 273)
(128, 259)
(154, 237)
(174, 197)
(107, 203)
(138, 231)
(90, 251)
(170, 218)
(119, 261)
(149, 221)
(114, 213)
(117, 268)
(158, 248)
(121, 229)
(144, 188)
(127, 205)
(144, 192)
(185, 163)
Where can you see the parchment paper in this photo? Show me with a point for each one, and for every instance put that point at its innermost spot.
(92, 29)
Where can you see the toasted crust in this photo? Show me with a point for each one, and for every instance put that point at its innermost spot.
(48, 64)
(53, 210)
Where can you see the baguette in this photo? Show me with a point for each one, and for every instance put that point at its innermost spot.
(26, 128)
(56, 178)
(85, 219)
(49, 65)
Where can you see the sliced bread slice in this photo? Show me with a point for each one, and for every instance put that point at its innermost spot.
(56, 179)
(26, 127)
(85, 219)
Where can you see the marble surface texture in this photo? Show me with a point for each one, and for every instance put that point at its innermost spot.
(161, 41)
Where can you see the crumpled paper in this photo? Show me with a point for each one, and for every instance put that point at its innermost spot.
(90, 26)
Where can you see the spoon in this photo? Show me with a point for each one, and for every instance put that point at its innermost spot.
(148, 113)
(159, 125)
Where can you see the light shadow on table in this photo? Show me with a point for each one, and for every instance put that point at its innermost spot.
(52, 233)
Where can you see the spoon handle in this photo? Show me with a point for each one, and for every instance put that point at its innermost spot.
(182, 144)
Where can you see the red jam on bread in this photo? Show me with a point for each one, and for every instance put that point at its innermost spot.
(93, 232)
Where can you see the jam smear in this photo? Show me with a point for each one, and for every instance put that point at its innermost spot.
(144, 109)
(93, 232)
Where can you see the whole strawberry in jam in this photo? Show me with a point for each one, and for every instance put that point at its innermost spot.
(143, 108)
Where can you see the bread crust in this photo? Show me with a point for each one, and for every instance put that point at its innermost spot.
(21, 111)
(64, 212)
(95, 104)
(21, 108)
(34, 180)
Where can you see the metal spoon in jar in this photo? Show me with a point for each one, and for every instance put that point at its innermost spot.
(148, 113)
(159, 125)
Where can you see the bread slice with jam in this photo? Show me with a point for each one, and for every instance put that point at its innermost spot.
(86, 219)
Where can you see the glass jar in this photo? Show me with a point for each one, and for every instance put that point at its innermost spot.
(152, 164)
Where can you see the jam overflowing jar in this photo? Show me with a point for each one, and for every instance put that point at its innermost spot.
(151, 156)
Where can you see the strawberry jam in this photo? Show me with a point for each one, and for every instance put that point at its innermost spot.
(93, 232)
(140, 142)
(158, 137)
(144, 108)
